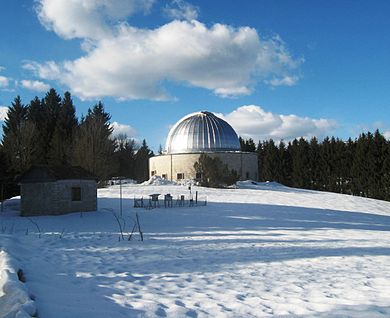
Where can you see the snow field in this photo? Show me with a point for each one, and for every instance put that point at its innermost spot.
(259, 252)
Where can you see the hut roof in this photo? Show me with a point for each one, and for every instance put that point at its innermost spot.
(45, 173)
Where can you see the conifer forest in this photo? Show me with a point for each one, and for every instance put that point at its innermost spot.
(47, 131)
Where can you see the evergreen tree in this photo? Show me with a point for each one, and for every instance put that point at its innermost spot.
(314, 164)
(284, 164)
(214, 173)
(93, 147)
(51, 110)
(62, 139)
(142, 162)
(36, 116)
(125, 156)
(300, 163)
(360, 169)
(270, 165)
(17, 135)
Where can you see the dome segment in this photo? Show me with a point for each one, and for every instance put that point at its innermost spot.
(200, 132)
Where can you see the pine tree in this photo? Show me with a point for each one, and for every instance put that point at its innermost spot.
(51, 108)
(17, 137)
(269, 171)
(65, 127)
(36, 116)
(142, 162)
(300, 164)
(125, 156)
(94, 147)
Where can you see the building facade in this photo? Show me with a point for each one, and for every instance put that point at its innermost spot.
(48, 190)
(202, 133)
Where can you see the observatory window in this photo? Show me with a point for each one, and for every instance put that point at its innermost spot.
(247, 175)
(76, 194)
(180, 176)
(198, 176)
(164, 176)
(153, 172)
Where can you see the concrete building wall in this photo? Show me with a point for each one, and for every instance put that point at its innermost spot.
(170, 165)
(53, 198)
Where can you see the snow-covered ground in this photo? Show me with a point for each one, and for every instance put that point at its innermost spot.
(255, 251)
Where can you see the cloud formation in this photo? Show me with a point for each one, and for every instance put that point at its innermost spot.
(179, 9)
(126, 62)
(4, 81)
(254, 122)
(3, 112)
(121, 129)
(35, 85)
(91, 19)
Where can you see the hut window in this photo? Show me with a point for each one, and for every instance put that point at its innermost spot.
(247, 175)
(198, 176)
(180, 176)
(76, 194)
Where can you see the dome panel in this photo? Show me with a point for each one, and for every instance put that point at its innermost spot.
(202, 132)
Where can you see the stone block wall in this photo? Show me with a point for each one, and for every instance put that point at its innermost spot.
(53, 198)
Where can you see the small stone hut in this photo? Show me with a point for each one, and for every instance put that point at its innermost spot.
(47, 190)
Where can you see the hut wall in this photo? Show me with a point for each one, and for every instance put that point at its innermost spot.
(53, 198)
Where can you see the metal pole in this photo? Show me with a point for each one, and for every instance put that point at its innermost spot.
(120, 190)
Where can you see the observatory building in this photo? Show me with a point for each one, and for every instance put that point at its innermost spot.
(202, 133)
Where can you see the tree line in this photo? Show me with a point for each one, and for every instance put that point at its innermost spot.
(358, 167)
(47, 131)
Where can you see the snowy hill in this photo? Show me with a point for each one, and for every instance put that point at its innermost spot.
(258, 250)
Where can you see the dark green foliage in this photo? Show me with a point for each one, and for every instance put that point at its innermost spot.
(47, 131)
(214, 173)
(142, 162)
(247, 145)
(61, 144)
(17, 137)
(94, 146)
(359, 167)
(125, 157)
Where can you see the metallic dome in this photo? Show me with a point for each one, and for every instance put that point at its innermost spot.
(202, 132)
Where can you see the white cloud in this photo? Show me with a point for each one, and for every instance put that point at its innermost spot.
(4, 81)
(121, 129)
(2, 68)
(134, 63)
(386, 134)
(3, 112)
(35, 85)
(92, 19)
(179, 9)
(254, 122)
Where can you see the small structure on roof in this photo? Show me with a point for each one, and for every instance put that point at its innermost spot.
(53, 190)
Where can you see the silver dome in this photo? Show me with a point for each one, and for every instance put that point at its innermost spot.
(202, 132)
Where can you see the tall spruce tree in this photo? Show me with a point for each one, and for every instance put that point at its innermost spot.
(94, 146)
(125, 156)
(51, 108)
(17, 137)
(142, 162)
(65, 126)
(36, 116)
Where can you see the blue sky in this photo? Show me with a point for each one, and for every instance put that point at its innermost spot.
(273, 69)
